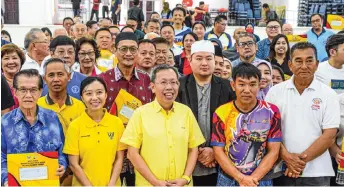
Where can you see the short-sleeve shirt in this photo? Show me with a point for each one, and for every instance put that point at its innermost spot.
(96, 144)
(225, 38)
(331, 76)
(245, 135)
(96, 6)
(151, 128)
(319, 42)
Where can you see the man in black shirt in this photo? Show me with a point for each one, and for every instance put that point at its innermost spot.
(136, 12)
(76, 7)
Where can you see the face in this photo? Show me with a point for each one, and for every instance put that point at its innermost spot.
(146, 56)
(317, 22)
(168, 34)
(273, 29)
(87, 56)
(247, 48)
(249, 27)
(202, 6)
(246, 89)
(178, 17)
(28, 92)
(104, 40)
(65, 52)
(221, 26)
(165, 87)
(338, 55)
(153, 27)
(132, 24)
(188, 41)
(266, 76)
(203, 63)
(93, 29)
(227, 71)
(287, 29)
(41, 44)
(94, 96)
(238, 32)
(79, 30)
(127, 52)
(199, 31)
(10, 63)
(170, 59)
(276, 77)
(155, 16)
(105, 23)
(47, 35)
(67, 24)
(281, 46)
(161, 53)
(5, 37)
(114, 33)
(304, 64)
(219, 66)
(56, 77)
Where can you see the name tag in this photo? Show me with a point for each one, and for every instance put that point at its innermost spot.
(126, 111)
(337, 84)
(37, 173)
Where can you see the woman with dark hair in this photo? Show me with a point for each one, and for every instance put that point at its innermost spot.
(199, 29)
(277, 75)
(5, 35)
(47, 33)
(86, 54)
(280, 54)
(184, 66)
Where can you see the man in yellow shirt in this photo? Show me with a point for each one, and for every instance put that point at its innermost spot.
(107, 59)
(167, 126)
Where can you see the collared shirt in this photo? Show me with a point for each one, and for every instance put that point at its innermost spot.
(96, 144)
(315, 110)
(238, 61)
(32, 64)
(95, 71)
(173, 133)
(67, 113)
(331, 76)
(263, 48)
(177, 50)
(19, 136)
(179, 34)
(225, 38)
(320, 42)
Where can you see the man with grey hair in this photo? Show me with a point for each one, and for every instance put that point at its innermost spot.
(79, 30)
(60, 32)
(37, 46)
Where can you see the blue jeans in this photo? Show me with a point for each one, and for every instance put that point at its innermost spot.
(223, 180)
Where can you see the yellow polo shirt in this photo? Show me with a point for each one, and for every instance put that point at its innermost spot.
(96, 144)
(72, 109)
(163, 139)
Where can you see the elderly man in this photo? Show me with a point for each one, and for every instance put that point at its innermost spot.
(178, 139)
(30, 128)
(79, 30)
(107, 60)
(152, 25)
(67, 24)
(151, 35)
(287, 29)
(37, 46)
(146, 56)
(232, 53)
(218, 32)
(203, 92)
(273, 28)
(307, 105)
(60, 32)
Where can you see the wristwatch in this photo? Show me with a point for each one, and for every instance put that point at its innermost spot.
(187, 178)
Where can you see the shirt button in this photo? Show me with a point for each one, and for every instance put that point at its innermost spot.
(98, 141)
(98, 132)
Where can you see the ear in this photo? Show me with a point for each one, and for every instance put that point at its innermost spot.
(232, 83)
(333, 52)
(152, 86)
(290, 66)
(52, 54)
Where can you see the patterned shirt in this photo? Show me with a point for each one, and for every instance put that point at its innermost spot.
(263, 49)
(18, 136)
(225, 38)
(245, 135)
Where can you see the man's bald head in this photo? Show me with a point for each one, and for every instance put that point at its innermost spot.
(287, 29)
(60, 32)
(237, 33)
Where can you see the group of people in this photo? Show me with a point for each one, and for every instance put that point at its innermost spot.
(172, 105)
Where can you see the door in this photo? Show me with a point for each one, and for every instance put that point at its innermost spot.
(11, 12)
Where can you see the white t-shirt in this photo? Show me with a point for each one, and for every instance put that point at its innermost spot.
(304, 117)
(331, 76)
(340, 135)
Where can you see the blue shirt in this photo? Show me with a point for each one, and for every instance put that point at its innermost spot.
(263, 49)
(225, 38)
(73, 86)
(179, 34)
(18, 136)
(238, 61)
(319, 42)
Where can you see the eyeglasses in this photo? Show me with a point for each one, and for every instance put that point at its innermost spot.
(89, 54)
(24, 91)
(114, 34)
(316, 21)
(275, 27)
(165, 83)
(41, 42)
(125, 49)
(248, 44)
(62, 53)
(287, 30)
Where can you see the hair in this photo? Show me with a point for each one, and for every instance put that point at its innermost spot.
(192, 34)
(272, 53)
(303, 46)
(167, 25)
(341, 32)
(90, 23)
(316, 14)
(82, 41)
(201, 3)
(198, 23)
(153, 21)
(154, 13)
(136, 2)
(265, 5)
(28, 73)
(132, 19)
(247, 35)
(48, 30)
(220, 18)
(30, 36)
(279, 70)
(179, 5)
(179, 9)
(333, 42)
(160, 40)
(61, 40)
(102, 29)
(55, 60)
(12, 48)
(67, 18)
(127, 27)
(271, 20)
(159, 68)
(149, 34)
(114, 26)
(4, 32)
(246, 71)
(89, 80)
(146, 41)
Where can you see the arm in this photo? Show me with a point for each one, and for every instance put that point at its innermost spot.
(117, 167)
(118, 9)
(3, 159)
(77, 170)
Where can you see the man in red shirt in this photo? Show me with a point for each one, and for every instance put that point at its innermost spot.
(199, 11)
(95, 9)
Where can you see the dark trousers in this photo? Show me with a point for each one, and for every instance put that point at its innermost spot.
(129, 178)
(302, 181)
(105, 9)
(95, 12)
(115, 18)
(206, 180)
(76, 12)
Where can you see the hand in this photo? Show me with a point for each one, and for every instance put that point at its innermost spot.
(177, 182)
(248, 181)
(290, 174)
(211, 165)
(160, 183)
(60, 171)
(206, 155)
(339, 157)
(295, 162)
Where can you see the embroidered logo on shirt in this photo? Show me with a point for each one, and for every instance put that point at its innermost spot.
(110, 135)
(75, 89)
(316, 103)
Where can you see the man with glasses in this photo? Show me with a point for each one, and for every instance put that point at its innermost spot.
(273, 28)
(232, 53)
(318, 36)
(30, 128)
(37, 46)
(107, 60)
(219, 32)
(287, 29)
(132, 23)
(79, 31)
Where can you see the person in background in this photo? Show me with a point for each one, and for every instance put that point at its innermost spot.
(247, 49)
(170, 59)
(12, 59)
(249, 27)
(86, 54)
(280, 54)
(79, 31)
(95, 9)
(127, 29)
(232, 53)
(227, 70)
(133, 23)
(114, 32)
(162, 48)
(60, 32)
(277, 75)
(6, 36)
(152, 25)
(184, 67)
(287, 29)
(106, 60)
(318, 36)
(189, 19)
(105, 23)
(67, 24)
(76, 7)
(116, 11)
(30, 128)
(246, 133)
(145, 60)
(155, 15)
(199, 29)
(136, 13)
(166, 14)
(92, 27)
(151, 36)
(218, 32)
(219, 62)
(269, 14)
(77, 19)
(266, 79)
(47, 33)
(199, 11)
(105, 9)
(7, 96)
(168, 32)
(178, 18)
(273, 28)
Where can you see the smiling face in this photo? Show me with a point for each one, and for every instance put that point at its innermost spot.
(94, 96)
(227, 70)
(266, 75)
(273, 29)
(104, 40)
(28, 91)
(126, 52)
(10, 64)
(281, 46)
(87, 57)
(178, 17)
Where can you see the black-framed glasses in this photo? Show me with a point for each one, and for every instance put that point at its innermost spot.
(125, 49)
(248, 44)
(273, 27)
(84, 54)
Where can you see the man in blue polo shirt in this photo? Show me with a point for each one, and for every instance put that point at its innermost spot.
(219, 32)
(318, 36)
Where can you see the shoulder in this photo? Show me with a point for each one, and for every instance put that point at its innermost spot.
(184, 79)
(107, 73)
(221, 81)
(9, 116)
(47, 114)
(79, 75)
(269, 105)
(325, 90)
(224, 110)
(279, 87)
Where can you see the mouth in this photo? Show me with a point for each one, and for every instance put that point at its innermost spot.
(169, 96)
(95, 104)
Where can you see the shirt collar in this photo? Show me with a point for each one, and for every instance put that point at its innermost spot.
(322, 32)
(68, 101)
(291, 85)
(157, 107)
(91, 123)
(18, 116)
(118, 74)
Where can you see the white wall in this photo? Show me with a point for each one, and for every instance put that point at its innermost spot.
(36, 12)
(212, 3)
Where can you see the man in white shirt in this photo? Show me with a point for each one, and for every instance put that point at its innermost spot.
(331, 72)
(37, 46)
(310, 119)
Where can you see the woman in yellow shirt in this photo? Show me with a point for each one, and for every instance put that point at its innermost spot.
(93, 140)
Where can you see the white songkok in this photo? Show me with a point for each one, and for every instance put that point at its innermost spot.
(202, 46)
